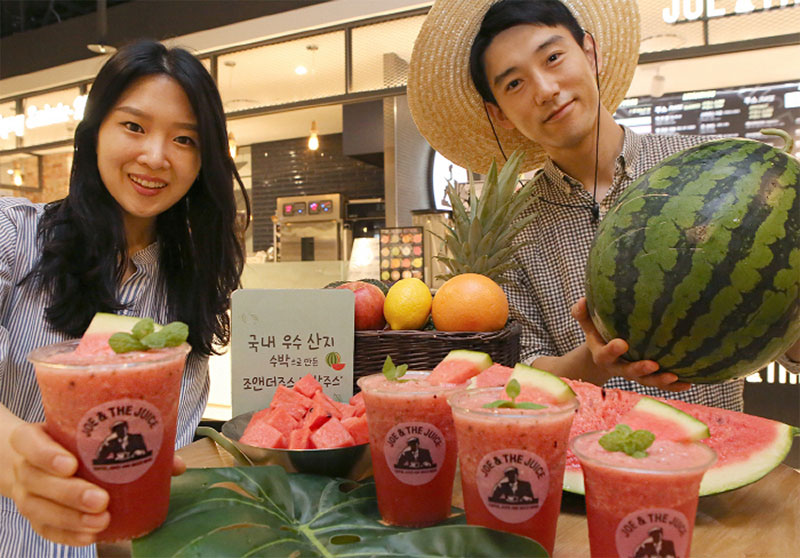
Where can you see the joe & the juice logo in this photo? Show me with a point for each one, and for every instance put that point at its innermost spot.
(653, 533)
(414, 452)
(513, 484)
(119, 440)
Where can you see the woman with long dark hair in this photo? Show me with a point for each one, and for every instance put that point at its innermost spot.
(148, 229)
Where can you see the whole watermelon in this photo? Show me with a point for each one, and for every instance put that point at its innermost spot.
(698, 265)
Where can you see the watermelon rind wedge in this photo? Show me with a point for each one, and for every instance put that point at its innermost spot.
(735, 475)
(481, 360)
(103, 322)
(685, 426)
(531, 377)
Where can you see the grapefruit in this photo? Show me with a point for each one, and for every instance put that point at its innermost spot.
(469, 302)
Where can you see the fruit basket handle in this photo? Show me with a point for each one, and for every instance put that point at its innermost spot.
(225, 444)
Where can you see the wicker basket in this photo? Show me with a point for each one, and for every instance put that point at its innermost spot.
(422, 350)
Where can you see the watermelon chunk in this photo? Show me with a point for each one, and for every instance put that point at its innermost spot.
(459, 366)
(357, 401)
(357, 427)
(300, 438)
(262, 435)
(327, 404)
(284, 395)
(316, 417)
(280, 419)
(332, 434)
(538, 385)
(495, 375)
(664, 421)
(748, 447)
(307, 386)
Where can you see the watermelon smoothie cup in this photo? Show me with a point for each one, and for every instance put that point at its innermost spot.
(117, 413)
(638, 506)
(512, 462)
(413, 445)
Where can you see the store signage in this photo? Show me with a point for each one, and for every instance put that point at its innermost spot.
(691, 10)
(280, 335)
(36, 117)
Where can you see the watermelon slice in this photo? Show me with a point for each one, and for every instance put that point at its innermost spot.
(101, 328)
(495, 375)
(459, 366)
(538, 385)
(665, 422)
(748, 447)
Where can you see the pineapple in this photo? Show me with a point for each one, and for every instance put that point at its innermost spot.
(481, 237)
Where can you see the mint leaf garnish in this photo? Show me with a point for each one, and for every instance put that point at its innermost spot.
(124, 343)
(528, 405)
(512, 390)
(393, 373)
(143, 327)
(155, 340)
(633, 443)
(176, 332)
(143, 336)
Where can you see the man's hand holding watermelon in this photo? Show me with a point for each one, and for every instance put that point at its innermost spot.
(597, 361)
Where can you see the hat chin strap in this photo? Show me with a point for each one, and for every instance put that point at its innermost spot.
(595, 207)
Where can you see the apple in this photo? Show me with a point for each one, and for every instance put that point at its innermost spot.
(369, 305)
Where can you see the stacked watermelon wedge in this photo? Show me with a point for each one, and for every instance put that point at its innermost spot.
(748, 447)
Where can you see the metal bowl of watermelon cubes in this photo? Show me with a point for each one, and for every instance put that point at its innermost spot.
(305, 431)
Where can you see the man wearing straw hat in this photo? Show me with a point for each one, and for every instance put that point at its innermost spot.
(488, 77)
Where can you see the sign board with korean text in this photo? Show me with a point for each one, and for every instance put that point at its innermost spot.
(280, 335)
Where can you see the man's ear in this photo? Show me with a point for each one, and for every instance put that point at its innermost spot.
(588, 50)
(498, 116)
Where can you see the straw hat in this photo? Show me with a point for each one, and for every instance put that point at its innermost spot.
(447, 108)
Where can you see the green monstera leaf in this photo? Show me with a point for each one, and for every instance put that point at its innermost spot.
(264, 511)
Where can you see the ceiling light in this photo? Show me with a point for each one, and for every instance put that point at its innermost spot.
(313, 139)
(100, 48)
(232, 145)
(17, 173)
(301, 70)
(658, 85)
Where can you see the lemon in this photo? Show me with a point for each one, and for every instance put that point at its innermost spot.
(407, 304)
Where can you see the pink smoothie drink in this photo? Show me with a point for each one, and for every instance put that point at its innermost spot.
(117, 413)
(641, 506)
(413, 445)
(512, 462)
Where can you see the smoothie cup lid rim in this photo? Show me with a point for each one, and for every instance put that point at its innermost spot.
(421, 375)
(35, 358)
(705, 465)
(549, 410)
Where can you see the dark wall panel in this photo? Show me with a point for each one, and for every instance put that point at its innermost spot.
(289, 168)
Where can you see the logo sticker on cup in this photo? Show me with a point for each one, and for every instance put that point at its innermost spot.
(118, 441)
(653, 532)
(414, 452)
(513, 484)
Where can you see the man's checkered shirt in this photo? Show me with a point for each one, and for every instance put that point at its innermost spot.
(551, 274)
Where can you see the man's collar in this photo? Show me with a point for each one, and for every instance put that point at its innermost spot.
(629, 156)
(627, 159)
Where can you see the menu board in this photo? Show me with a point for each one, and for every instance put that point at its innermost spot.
(401, 254)
(735, 112)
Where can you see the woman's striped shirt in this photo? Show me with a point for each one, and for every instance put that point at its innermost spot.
(23, 328)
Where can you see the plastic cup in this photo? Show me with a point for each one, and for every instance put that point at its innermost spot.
(641, 506)
(413, 445)
(117, 414)
(512, 463)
